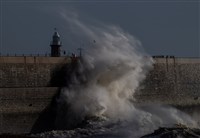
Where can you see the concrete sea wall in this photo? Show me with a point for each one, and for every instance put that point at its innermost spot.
(19, 72)
(20, 109)
(28, 86)
(173, 81)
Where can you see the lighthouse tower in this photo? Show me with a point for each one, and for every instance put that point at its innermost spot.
(55, 45)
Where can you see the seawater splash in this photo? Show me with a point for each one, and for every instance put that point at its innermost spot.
(103, 82)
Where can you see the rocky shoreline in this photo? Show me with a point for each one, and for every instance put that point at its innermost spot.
(175, 132)
(179, 131)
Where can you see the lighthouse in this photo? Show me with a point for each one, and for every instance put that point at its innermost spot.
(55, 44)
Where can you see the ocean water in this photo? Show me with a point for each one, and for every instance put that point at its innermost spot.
(103, 127)
(97, 99)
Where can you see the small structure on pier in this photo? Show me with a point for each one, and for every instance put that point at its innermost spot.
(55, 45)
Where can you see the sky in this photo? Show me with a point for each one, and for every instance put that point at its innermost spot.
(164, 27)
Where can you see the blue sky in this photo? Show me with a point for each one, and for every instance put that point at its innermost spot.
(164, 27)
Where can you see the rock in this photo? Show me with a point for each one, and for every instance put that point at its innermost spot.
(175, 132)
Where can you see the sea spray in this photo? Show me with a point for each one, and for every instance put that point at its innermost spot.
(102, 84)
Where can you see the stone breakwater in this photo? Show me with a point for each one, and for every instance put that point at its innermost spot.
(172, 81)
(28, 86)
